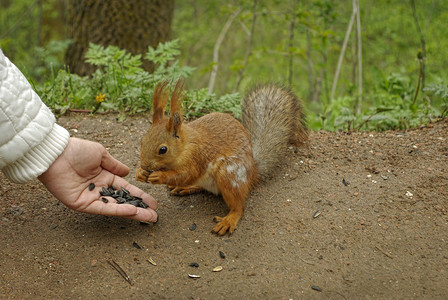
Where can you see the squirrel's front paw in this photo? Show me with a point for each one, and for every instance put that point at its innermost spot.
(156, 177)
(141, 175)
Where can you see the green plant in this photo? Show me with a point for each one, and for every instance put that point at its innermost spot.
(391, 106)
(440, 90)
(120, 84)
(199, 102)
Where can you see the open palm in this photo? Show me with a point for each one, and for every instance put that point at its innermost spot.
(84, 162)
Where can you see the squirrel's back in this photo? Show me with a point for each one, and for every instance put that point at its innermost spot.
(273, 116)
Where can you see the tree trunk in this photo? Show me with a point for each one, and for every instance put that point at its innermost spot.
(128, 24)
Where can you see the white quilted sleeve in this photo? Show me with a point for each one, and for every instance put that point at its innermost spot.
(30, 139)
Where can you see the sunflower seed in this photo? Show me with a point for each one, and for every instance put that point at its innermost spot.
(151, 261)
(136, 245)
(194, 276)
(105, 192)
(120, 200)
(91, 186)
(122, 196)
(217, 269)
(132, 202)
(143, 204)
(316, 288)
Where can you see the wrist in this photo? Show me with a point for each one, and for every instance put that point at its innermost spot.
(38, 159)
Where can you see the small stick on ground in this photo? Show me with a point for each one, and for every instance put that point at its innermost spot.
(120, 271)
(384, 252)
(307, 262)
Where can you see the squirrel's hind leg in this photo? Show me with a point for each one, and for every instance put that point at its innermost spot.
(234, 178)
(229, 222)
(184, 190)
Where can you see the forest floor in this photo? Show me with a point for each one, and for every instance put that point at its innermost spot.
(356, 216)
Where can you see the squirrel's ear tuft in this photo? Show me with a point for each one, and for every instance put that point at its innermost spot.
(177, 96)
(174, 125)
(159, 101)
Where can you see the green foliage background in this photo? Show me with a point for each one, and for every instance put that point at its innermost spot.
(390, 44)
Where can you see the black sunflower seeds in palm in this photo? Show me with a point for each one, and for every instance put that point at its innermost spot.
(122, 196)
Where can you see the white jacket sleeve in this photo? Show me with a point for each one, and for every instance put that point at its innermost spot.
(30, 139)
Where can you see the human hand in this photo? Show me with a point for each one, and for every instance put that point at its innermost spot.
(84, 162)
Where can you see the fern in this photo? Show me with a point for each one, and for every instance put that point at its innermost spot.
(164, 53)
(125, 86)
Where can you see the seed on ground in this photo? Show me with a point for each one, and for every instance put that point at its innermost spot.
(316, 288)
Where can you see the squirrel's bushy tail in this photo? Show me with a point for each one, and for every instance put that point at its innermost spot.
(273, 116)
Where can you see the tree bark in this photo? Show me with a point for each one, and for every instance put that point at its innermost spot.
(128, 24)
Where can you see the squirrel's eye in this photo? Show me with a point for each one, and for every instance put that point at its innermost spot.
(163, 150)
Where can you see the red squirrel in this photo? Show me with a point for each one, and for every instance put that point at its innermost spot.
(216, 152)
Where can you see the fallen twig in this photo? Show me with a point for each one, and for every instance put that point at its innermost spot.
(307, 262)
(80, 110)
(384, 252)
(120, 271)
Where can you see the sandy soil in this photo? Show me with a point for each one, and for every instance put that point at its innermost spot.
(380, 231)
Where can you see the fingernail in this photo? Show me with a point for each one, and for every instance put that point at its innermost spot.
(149, 222)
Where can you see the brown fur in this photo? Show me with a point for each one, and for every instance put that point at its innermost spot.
(212, 153)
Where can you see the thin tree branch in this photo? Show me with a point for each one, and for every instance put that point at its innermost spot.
(222, 34)
(422, 41)
(291, 44)
(341, 56)
(310, 64)
(248, 50)
(19, 20)
(358, 35)
(245, 29)
(420, 77)
(39, 23)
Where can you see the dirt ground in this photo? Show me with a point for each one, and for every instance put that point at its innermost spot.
(357, 216)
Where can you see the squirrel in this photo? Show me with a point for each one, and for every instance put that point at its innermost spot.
(216, 152)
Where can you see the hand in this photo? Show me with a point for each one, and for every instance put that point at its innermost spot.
(84, 162)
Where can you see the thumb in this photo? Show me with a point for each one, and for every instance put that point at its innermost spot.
(113, 165)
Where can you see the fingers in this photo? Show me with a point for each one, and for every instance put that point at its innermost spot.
(113, 165)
